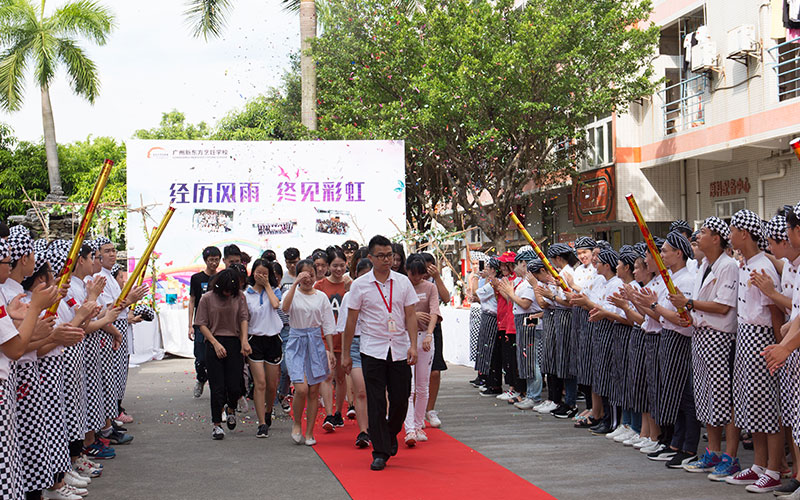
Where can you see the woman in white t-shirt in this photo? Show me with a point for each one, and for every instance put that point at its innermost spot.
(310, 317)
(264, 329)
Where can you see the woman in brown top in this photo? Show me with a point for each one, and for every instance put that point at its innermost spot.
(222, 318)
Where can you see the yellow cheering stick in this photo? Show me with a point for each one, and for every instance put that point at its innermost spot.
(655, 251)
(558, 278)
(139, 269)
(72, 257)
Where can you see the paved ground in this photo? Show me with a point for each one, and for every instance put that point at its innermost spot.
(173, 456)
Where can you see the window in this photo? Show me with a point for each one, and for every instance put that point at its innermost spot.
(726, 209)
(600, 137)
(787, 67)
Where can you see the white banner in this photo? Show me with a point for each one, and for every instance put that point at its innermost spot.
(261, 195)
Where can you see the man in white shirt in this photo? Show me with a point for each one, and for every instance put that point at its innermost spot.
(713, 310)
(384, 302)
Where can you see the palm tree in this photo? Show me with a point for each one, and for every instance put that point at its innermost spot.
(28, 36)
(207, 19)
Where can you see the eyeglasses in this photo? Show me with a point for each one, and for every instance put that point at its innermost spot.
(383, 256)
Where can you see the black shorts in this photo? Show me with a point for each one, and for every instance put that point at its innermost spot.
(266, 349)
(438, 356)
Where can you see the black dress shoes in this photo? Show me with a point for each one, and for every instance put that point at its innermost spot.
(378, 464)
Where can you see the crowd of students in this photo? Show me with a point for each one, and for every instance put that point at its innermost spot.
(284, 334)
(63, 375)
(654, 367)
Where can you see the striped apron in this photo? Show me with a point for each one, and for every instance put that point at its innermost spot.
(652, 376)
(548, 365)
(562, 319)
(635, 377)
(619, 363)
(526, 347)
(585, 331)
(602, 346)
(675, 356)
(486, 341)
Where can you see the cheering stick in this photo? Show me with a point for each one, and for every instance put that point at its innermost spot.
(72, 257)
(140, 266)
(656, 253)
(559, 279)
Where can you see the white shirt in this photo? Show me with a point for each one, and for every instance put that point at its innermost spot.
(488, 298)
(370, 297)
(720, 286)
(10, 290)
(311, 311)
(796, 298)
(583, 275)
(594, 290)
(7, 332)
(692, 265)
(752, 303)
(341, 321)
(610, 287)
(264, 319)
(525, 291)
(111, 292)
(789, 278)
(683, 281)
(658, 287)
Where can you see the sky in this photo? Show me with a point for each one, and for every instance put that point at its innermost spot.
(152, 64)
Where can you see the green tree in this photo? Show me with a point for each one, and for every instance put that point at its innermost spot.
(22, 165)
(482, 92)
(173, 126)
(29, 36)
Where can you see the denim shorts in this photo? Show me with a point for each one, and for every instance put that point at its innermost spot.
(355, 352)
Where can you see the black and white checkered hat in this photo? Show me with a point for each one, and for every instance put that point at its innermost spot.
(718, 226)
(115, 269)
(40, 258)
(776, 228)
(39, 245)
(146, 312)
(747, 220)
(4, 250)
(102, 240)
(478, 256)
(20, 242)
(796, 210)
(678, 241)
(57, 254)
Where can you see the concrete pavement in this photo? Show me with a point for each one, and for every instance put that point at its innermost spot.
(173, 456)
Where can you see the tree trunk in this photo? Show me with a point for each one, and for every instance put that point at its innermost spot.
(50, 145)
(308, 72)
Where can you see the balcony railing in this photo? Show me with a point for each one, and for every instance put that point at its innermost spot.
(787, 67)
(685, 104)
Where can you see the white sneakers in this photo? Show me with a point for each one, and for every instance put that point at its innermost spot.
(421, 436)
(508, 395)
(525, 404)
(545, 407)
(433, 419)
(643, 443)
(66, 492)
(616, 432)
(72, 478)
(624, 436)
(634, 439)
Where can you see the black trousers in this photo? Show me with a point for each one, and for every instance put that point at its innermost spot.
(508, 351)
(555, 389)
(224, 375)
(382, 377)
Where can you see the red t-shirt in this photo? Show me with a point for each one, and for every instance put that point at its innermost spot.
(505, 312)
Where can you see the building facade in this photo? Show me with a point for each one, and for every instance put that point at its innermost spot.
(714, 139)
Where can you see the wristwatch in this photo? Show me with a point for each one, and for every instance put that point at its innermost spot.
(653, 306)
(690, 305)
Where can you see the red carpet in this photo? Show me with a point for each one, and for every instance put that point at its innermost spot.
(440, 468)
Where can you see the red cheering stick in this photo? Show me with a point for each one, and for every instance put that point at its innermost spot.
(795, 144)
(655, 251)
(558, 278)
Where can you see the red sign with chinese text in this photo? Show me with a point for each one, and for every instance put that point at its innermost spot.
(729, 187)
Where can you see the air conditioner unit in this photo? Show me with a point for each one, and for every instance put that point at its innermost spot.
(704, 56)
(742, 40)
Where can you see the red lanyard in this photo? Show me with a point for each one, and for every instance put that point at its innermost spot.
(391, 294)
